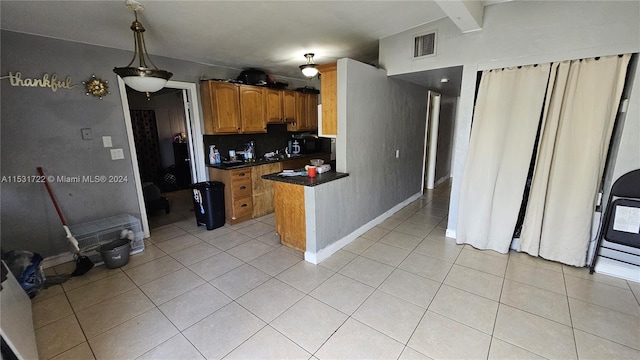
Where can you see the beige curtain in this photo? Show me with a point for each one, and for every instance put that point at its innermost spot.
(580, 110)
(502, 139)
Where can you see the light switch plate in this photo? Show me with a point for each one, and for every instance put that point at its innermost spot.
(117, 154)
(106, 141)
(86, 134)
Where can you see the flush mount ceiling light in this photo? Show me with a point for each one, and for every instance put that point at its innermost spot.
(309, 69)
(141, 78)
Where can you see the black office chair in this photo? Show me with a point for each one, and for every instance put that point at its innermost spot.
(627, 191)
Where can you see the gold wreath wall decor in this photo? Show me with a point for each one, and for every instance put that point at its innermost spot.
(96, 87)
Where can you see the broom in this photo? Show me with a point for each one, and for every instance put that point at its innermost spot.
(83, 263)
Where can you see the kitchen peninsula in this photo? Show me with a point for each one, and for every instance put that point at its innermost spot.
(246, 194)
(294, 203)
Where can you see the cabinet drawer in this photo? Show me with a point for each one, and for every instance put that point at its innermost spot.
(240, 174)
(243, 208)
(241, 188)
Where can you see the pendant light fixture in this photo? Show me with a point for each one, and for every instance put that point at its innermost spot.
(309, 69)
(141, 78)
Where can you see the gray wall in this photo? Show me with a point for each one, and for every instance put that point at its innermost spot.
(42, 128)
(380, 115)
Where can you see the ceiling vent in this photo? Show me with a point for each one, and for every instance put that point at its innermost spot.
(424, 45)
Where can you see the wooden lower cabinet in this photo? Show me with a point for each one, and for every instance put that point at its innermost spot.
(247, 195)
(238, 195)
(263, 189)
(290, 215)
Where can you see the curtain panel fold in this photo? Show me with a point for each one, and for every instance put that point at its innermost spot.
(503, 133)
(577, 123)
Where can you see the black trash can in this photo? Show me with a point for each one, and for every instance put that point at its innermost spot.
(208, 204)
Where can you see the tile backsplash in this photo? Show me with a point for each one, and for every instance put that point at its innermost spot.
(275, 138)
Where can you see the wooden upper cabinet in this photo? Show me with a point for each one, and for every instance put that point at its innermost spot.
(236, 109)
(306, 112)
(300, 122)
(273, 105)
(289, 105)
(220, 107)
(312, 112)
(281, 106)
(252, 109)
(329, 93)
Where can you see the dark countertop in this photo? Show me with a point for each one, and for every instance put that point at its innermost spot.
(262, 161)
(305, 180)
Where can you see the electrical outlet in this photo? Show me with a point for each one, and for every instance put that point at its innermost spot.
(86, 134)
(398, 154)
(106, 141)
(117, 154)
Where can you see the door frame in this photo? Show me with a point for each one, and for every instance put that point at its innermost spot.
(194, 140)
(430, 136)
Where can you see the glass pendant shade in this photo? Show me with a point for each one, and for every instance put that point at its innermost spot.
(309, 69)
(142, 78)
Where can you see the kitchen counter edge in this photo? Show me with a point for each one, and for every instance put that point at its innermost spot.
(262, 162)
(305, 180)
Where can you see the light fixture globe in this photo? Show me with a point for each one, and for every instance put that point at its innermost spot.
(309, 69)
(141, 78)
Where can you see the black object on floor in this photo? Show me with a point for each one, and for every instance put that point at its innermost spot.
(153, 199)
(208, 204)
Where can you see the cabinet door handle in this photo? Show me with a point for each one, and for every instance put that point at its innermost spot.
(244, 205)
(241, 174)
(242, 187)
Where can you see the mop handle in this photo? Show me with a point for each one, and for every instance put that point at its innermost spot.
(53, 199)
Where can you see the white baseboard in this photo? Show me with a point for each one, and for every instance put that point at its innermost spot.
(450, 233)
(325, 253)
(618, 269)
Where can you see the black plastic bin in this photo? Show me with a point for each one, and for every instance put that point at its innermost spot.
(208, 204)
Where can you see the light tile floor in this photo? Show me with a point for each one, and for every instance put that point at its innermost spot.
(400, 291)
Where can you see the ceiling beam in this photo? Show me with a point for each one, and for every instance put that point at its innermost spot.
(466, 14)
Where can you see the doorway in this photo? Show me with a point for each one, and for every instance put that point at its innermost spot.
(188, 145)
(438, 140)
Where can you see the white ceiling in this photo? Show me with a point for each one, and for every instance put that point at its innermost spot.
(270, 35)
